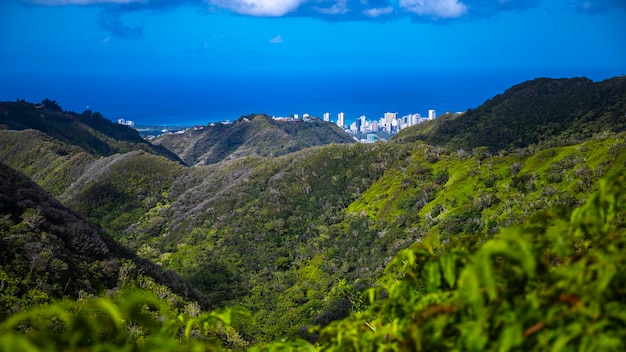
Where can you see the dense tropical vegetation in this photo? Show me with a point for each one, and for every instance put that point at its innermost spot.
(471, 242)
(546, 112)
(89, 130)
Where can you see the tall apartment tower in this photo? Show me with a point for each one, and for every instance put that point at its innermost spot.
(340, 120)
(390, 116)
(327, 116)
(363, 124)
(432, 114)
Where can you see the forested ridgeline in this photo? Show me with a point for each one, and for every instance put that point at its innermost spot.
(542, 112)
(554, 283)
(364, 244)
(251, 135)
(88, 130)
(49, 251)
(320, 217)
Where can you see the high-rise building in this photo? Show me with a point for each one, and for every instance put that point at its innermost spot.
(432, 114)
(354, 127)
(340, 120)
(363, 124)
(390, 116)
(327, 116)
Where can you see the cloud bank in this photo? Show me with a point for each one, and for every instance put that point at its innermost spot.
(276, 40)
(440, 11)
(435, 8)
(270, 8)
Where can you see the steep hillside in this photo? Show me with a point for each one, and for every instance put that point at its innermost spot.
(118, 191)
(89, 131)
(54, 165)
(554, 283)
(255, 135)
(49, 251)
(543, 111)
(279, 235)
(297, 238)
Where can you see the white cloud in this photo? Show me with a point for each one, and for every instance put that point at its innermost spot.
(435, 8)
(339, 8)
(375, 12)
(84, 2)
(269, 8)
(276, 40)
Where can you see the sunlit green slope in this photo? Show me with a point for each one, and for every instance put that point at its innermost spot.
(296, 238)
(89, 130)
(279, 234)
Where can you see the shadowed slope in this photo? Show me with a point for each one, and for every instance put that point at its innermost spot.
(543, 111)
(49, 251)
(257, 135)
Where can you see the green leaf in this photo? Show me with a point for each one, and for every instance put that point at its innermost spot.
(469, 288)
(112, 310)
(433, 276)
(510, 338)
(14, 342)
(475, 338)
(572, 331)
(448, 266)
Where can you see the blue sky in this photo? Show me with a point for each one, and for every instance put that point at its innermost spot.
(164, 61)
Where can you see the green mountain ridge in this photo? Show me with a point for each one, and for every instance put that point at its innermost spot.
(543, 111)
(252, 135)
(297, 238)
(49, 251)
(89, 131)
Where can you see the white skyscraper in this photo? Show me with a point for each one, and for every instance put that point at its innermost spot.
(390, 116)
(340, 121)
(363, 124)
(432, 114)
(327, 116)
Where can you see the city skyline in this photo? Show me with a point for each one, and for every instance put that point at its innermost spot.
(389, 122)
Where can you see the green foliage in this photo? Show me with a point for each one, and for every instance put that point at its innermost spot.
(554, 283)
(546, 112)
(52, 164)
(48, 251)
(343, 210)
(117, 191)
(132, 321)
(297, 239)
(89, 131)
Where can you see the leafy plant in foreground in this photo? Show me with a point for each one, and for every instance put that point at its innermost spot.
(133, 321)
(556, 284)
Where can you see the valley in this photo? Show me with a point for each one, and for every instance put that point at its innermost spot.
(326, 243)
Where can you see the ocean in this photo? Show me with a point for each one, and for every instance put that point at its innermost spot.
(200, 98)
